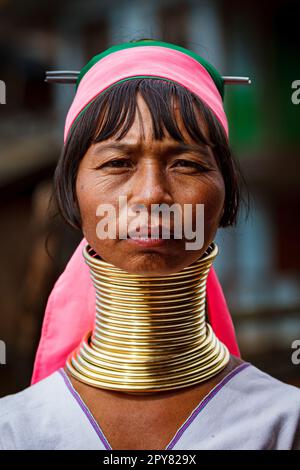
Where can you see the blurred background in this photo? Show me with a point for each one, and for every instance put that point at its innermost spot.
(259, 261)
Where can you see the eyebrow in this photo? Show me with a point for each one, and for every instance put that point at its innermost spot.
(174, 149)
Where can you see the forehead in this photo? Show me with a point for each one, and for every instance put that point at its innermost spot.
(142, 126)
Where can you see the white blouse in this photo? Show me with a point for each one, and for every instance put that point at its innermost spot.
(248, 409)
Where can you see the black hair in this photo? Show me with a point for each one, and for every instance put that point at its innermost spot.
(112, 114)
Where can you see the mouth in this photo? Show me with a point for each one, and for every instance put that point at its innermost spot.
(151, 236)
(157, 232)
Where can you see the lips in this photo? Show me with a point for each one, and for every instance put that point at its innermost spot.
(145, 232)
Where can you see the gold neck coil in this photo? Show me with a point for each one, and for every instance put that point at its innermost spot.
(150, 333)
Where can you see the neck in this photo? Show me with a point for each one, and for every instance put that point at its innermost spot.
(150, 333)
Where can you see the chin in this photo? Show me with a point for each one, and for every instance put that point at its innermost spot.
(151, 263)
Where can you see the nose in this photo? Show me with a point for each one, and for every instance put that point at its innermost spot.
(150, 186)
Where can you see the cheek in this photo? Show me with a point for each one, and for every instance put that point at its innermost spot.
(214, 197)
(91, 193)
(89, 197)
(210, 191)
(84, 195)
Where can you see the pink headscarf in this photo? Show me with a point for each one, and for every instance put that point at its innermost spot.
(151, 61)
(70, 310)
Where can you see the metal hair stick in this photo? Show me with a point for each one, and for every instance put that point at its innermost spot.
(61, 76)
(70, 76)
(237, 80)
(62, 72)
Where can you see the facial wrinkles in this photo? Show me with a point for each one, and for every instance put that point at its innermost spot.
(147, 181)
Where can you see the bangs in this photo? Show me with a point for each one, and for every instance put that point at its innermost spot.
(112, 113)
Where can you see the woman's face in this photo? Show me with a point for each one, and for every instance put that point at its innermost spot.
(148, 172)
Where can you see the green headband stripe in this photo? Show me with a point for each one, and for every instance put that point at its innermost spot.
(217, 78)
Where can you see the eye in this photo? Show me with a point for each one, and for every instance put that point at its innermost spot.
(189, 164)
(116, 163)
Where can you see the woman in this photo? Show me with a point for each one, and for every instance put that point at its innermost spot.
(148, 359)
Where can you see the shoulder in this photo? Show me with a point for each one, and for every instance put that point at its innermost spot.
(32, 396)
(26, 415)
(267, 387)
(245, 379)
(268, 403)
